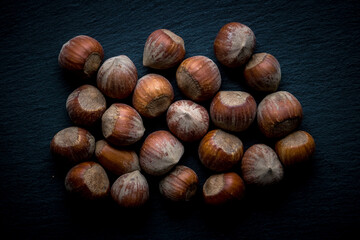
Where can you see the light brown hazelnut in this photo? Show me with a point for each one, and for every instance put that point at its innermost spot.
(163, 49)
(117, 161)
(87, 180)
(220, 151)
(130, 190)
(73, 144)
(180, 184)
(122, 125)
(262, 73)
(222, 188)
(117, 77)
(81, 54)
(198, 78)
(187, 120)
(233, 110)
(85, 105)
(260, 166)
(160, 152)
(279, 114)
(153, 95)
(295, 148)
(234, 44)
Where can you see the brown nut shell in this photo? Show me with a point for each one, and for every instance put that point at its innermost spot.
(233, 110)
(163, 49)
(279, 114)
(153, 95)
(87, 180)
(198, 78)
(180, 184)
(234, 44)
(222, 188)
(260, 166)
(295, 148)
(117, 77)
(220, 151)
(81, 54)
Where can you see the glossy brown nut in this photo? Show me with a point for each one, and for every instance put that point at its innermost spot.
(187, 120)
(198, 78)
(163, 49)
(85, 105)
(295, 148)
(87, 180)
(233, 110)
(81, 54)
(73, 144)
(279, 114)
(223, 188)
(122, 125)
(153, 95)
(130, 190)
(160, 152)
(234, 44)
(220, 151)
(117, 161)
(180, 184)
(261, 166)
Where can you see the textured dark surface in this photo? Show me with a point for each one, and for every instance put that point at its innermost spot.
(317, 45)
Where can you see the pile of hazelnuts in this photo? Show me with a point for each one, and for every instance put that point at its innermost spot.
(278, 117)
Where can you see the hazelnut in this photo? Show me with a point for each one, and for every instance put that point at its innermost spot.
(220, 151)
(223, 188)
(117, 77)
(81, 54)
(87, 180)
(262, 73)
(261, 166)
(117, 161)
(153, 95)
(85, 105)
(187, 120)
(234, 44)
(180, 184)
(198, 78)
(160, 152)
(295, 148)
(73, 144)
(279, 114)
(233, 110)
(130, 190)
(122, 125)
(163, 49)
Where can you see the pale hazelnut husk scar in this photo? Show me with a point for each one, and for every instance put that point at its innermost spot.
(81, 54)
(163, 49)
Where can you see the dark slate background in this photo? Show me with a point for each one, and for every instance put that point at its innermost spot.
(317, 44)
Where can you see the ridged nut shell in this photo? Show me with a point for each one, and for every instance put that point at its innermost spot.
(117, 77)
(198, 78)
(163, 49)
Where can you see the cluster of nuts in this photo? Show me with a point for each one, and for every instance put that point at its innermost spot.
(278, 117)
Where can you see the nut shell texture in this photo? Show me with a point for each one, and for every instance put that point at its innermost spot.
(234, 44)
(160, 152)
(279, 114)
(220, 151)
(163, 49)
(122, 125)
(130, 190)
(233, 110)
(261, 166)
(295, 148)
(198, 78)
(187, 120)
(117, 77)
